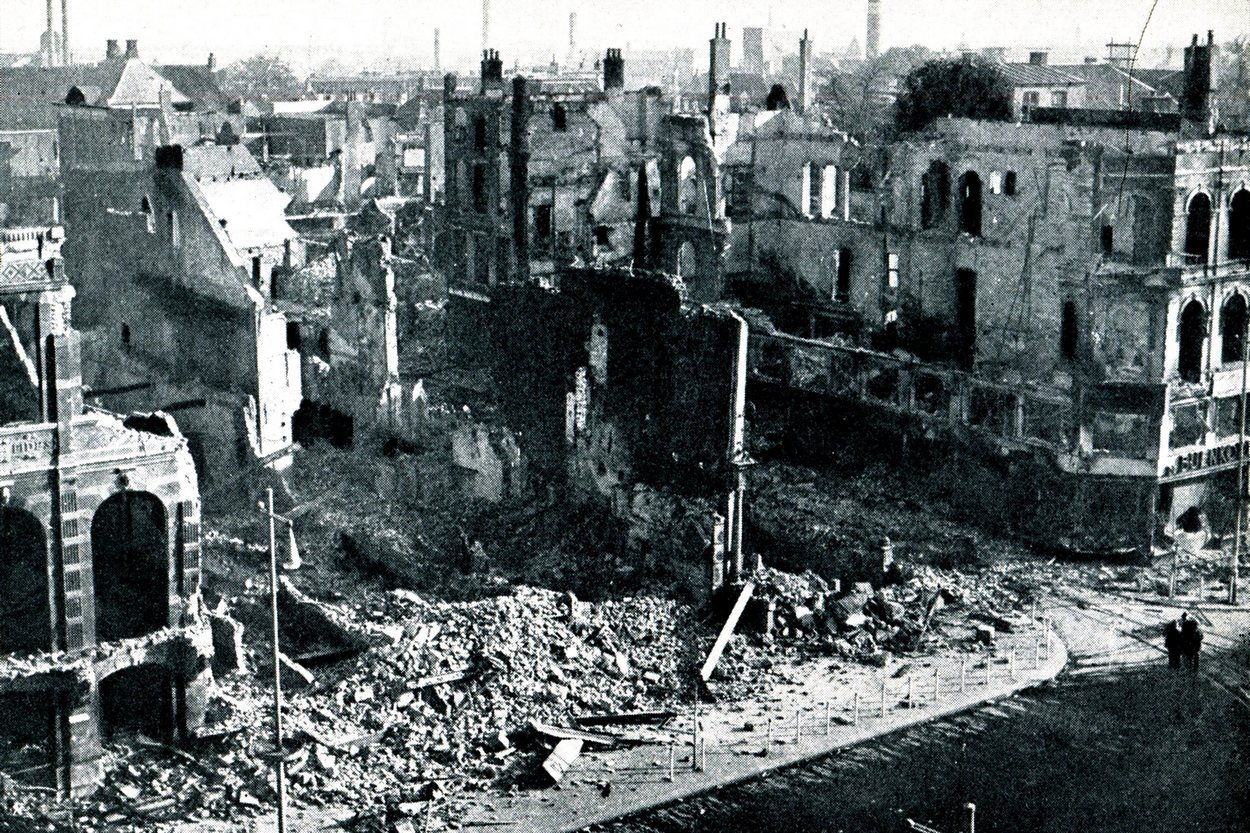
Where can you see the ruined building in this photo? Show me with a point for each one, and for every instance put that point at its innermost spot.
(1073, 295)
(626, 396)
(184, 246)
(100, 626)
(538, 179)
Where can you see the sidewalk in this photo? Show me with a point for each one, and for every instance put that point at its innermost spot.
(821, 706)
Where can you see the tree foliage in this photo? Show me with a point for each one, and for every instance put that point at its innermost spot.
(260, 77)
(968, 88)
(859, 97)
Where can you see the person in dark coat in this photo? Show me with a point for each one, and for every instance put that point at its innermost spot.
(1172, 642)
(1191, 640)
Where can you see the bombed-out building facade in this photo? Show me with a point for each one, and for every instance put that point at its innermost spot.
(1072, 294)
(99, 535)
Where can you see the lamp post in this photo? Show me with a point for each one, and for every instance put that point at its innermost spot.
(279, 754)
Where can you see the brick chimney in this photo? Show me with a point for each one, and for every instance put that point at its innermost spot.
(212, 63)
(613, 70)
(718, 64)
(805, 74)
(492, 70)
(1200, 78)
(132, 49)
(112, 50)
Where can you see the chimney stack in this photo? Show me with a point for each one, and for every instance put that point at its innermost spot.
(872, 43)
(132, 49)
(112, 50)
(212, 63)
(65, 58)
(492, 70)
(572, 37)
(805, 74)
(1201, 62)
(50, 54)
(613, 71)
(438, 61)
(718, 60)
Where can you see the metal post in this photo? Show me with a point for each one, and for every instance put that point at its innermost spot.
(963, 674)
(883, 698)
(1234, 567)
(937, 684)
(1037, 651)
(826, 717)
(703, 754)
(972, 817)
(279, 752)
(855, 709)
(1011, 662)
(910, 691)
(694, 747)
(768, 737)
(672, 761)
(988, 660)
(798, 726)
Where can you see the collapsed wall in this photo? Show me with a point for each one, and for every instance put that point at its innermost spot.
(628, 398)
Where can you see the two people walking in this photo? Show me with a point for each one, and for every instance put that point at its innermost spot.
(1183, 638)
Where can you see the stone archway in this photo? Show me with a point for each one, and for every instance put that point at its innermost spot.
(1198, 227)
(25, 614)
(130, 561)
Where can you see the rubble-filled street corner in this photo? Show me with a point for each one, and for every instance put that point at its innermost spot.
(423, 419)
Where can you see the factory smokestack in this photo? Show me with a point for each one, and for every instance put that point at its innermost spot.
(572, 37)
(872, 43)
(485, 25)
(65, 58)
(805, 73)
(438, 62)
(50, 45)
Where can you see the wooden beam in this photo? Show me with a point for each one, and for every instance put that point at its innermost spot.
(727, 631)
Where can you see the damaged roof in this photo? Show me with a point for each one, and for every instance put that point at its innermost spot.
(250, 211)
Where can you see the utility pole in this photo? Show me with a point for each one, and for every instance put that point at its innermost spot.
(1241, 469)
(279, 754)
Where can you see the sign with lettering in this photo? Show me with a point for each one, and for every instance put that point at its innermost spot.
(25, 448)
(1218, 457)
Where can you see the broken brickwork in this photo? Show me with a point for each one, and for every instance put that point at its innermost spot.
(99, 536)
(627, 397)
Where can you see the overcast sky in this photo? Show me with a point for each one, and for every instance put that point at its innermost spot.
(353, 31)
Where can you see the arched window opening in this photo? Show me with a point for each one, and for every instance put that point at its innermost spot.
(1193, 332)
(148, 219)
(686, 262)
(1233, 329)
(559, 118)
(1239, 226)
(970, 204)
(25, 617)
(479, 133)
(1069, 333)
(1198, 227)
(688, 187)
(130, 549)
(935, 188)
(138, 700)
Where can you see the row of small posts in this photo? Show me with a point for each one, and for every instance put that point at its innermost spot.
(878, 705)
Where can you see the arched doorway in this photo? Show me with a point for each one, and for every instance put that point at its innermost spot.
(935, 194)
(970, 204)
(25, 614)
(138, 699)
(1193, 332)
(1239, 226)
(1198, 227)
(688, 187)
(687, 262)
(130, 560)
(26, 735)
(1233, 328)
